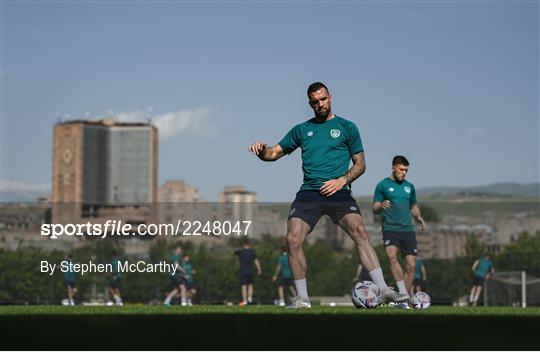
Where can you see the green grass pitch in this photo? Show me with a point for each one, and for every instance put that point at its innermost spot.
(268, 327)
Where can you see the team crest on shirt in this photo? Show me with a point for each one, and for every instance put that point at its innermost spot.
(391, 189)
(354, 208)
(335, 133)
(310, 133)
(407, 189)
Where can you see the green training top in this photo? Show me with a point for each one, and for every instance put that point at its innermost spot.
(327, 148)
(116, 273)
(189, 270)
(483, 268)
(285, 269)
(69, 274)
(401, 196)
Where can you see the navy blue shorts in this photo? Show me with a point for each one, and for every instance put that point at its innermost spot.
(246, 279)
(115, 282)
(178, 280)
(71, 284)
(190, 285)
(478, 280)
(286, 281)
(310, 205)
(404, 241)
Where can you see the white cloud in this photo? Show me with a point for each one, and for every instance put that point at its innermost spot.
(196, 122)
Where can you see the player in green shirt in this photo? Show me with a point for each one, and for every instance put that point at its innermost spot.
(395, 200)
(114, 283)
(420, 276)
(178, 279)
(191, 289)
(70, 280)
(328, 143)
(483, 268)
(283, 271)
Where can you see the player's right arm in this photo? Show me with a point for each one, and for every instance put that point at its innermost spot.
(278, 268)
(266, 153)
(379, 203)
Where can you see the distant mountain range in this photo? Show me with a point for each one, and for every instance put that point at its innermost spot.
(531, 190)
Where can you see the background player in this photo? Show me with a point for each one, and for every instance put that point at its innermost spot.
(328, 143)
(420, 276)
(395, 201)
(247, 258)
(191, 289)
(283, 270)
(114, 284)
(483, 268)
(177, 278)
(70, 280)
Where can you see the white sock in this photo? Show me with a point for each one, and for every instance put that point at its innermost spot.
(401, 287)
(476, 298)
(471, 298)
(301, 288)
(167, 300)
(117, 299)
(378, 279)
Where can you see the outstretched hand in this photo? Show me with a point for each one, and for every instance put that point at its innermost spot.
(257, 147)
(332, 186)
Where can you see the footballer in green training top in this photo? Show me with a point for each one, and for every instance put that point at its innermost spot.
(328, 143)
(283, 271)
(395, 201)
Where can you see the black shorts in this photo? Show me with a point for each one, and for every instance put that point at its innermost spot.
(190, 285)
(418, 282)
(115, 282)
(178, 280)
(246, 279)
(71, 284)
(286, 281)
(404, 241)
(478, 280)
(310, 205)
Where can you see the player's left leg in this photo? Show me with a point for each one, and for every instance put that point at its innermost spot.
(250, 294)
(281, 296)
(477, 295)
(395, 267)
(353, 224)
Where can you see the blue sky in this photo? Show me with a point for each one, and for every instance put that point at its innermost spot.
(451, 85)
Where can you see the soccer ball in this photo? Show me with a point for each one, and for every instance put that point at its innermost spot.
(421, 300)
(365, 294)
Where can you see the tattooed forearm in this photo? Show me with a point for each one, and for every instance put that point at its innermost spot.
(357, 169)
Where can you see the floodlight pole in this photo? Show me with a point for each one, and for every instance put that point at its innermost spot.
(523, 289)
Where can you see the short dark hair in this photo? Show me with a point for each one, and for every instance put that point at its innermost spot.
(313, 87)
(400, 160)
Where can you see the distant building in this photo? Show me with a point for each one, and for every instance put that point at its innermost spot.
(237, 204)
(102, 169)
(178, 191)
(180, 201)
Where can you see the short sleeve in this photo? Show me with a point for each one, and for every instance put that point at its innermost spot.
(378, 196)
(413, 195)
(353, 140)
(291, 141)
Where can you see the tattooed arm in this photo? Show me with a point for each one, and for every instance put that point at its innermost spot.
(357, 169)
